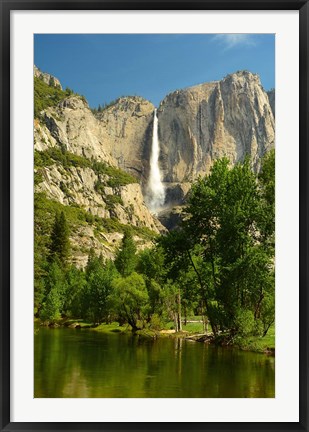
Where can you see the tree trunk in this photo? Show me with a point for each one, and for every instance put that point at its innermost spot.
(205, 324)
(179, 311)
(176, 322)
(204, 292)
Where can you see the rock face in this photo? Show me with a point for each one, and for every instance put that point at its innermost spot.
(77, 186)
(233, 118)
(72, 126)
(200, 124)
(271, 96)
(119, 135)
(47, 78)
(126, 128)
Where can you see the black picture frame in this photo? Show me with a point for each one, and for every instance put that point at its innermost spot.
(6, 6)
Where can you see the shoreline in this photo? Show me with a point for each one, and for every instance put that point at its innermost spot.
(251, 344)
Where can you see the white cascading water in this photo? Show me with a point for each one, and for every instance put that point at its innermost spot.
(155, 186)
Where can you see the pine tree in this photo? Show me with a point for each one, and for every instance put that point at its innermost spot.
(126, 258)
(60, 243)
(55, 292)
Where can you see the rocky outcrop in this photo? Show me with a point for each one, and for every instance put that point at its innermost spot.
(171, 217)
(271, 97)
(200, 124)
(119, 135)
(47, 78)
(176, 193)
(122, 205)
(88, 237)
(78, 186)
(72, 127)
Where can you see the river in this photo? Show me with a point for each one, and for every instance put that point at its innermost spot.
(88, 364)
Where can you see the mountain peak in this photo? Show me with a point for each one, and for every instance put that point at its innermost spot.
(47, 78)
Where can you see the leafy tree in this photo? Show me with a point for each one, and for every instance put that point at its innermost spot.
(180, 261)
(130, 300)
(150, 263)
(267, 312)
(267, 190)
(226, 242)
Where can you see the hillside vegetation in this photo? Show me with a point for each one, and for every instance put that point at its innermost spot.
(46, 96)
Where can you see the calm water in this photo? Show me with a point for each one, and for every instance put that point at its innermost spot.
(81, 363)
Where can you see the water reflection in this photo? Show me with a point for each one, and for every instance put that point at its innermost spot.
(87, 364)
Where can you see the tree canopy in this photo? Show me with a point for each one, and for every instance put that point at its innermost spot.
(227, 238)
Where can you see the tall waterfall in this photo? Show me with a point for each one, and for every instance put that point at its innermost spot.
(155, 185)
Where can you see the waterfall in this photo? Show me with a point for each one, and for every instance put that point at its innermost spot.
(155, 186)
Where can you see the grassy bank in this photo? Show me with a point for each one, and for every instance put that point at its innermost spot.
(264, 344)
(114, 327)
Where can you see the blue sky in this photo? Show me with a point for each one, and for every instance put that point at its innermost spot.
(106, 66)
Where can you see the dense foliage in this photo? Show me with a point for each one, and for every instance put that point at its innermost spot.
(46, 212)
(227, 241)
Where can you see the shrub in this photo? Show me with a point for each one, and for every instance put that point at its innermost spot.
(244, 322)
(155, 322)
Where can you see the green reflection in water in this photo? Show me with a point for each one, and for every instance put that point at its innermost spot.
(72, 363)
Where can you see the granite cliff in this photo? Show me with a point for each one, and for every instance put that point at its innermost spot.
(200, 124)
(197, 125)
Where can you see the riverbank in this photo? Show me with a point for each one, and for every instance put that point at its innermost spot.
(192, 331)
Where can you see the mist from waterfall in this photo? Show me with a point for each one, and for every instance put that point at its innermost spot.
(156, 192)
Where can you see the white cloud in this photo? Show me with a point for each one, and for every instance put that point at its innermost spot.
(231, 40)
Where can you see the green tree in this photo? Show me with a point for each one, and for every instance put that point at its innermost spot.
(226, 241)
(76, 285)
(267, 210)
(182, 274)
(150, 263)
(99, 277)
(130, 300)
(55, 293)
(126, 258)
(52, 306)
(59, 240)
(92, 262)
